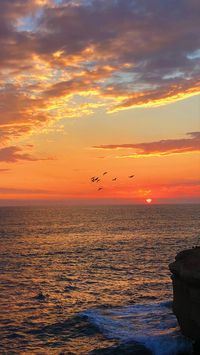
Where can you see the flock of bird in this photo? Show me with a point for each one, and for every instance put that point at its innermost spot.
(96, 179)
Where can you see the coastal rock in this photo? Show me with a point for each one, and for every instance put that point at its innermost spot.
(186, 293)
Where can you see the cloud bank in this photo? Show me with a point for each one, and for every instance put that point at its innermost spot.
(160, 148)
(14, 154)
(116, 53)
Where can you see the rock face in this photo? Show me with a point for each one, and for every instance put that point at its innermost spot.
(186, 293)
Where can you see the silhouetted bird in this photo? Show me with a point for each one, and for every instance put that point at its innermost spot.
(97, 179)
(131, 176)
(114, 179)
(100, 188)
(105, 172)
(93, 178)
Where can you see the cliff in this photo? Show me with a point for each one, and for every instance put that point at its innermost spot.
(186, 293)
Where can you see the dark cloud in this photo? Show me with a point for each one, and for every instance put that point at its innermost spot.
(148, 34)
(162, 147)
(13, 154)
(151, 36)
(17, 45)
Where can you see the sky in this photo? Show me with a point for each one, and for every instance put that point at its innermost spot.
(94, 86)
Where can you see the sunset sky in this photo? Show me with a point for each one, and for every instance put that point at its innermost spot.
(89, 86)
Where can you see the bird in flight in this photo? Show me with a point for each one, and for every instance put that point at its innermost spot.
(95, 179)
(114, 179)
(100, 188)
(105, 172)
(131, 176)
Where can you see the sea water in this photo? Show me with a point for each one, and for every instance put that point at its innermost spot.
(102, 273)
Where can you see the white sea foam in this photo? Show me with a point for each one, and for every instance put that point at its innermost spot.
(153, 325)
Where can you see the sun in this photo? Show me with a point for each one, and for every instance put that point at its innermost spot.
(148, 200)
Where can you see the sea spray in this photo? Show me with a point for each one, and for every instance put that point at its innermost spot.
(152, 325)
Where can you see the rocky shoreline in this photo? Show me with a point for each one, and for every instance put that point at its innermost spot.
(186, 293)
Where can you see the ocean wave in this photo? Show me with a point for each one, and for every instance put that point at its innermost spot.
(152, 325)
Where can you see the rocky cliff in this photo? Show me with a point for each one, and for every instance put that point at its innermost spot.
(186, 293)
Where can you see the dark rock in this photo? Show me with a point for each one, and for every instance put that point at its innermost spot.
(186, 293)
(187, 266)
(196, 348)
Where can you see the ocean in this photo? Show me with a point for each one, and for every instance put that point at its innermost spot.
(92, 279)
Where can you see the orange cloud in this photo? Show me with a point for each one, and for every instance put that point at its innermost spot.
(13, 154)
(160, 148)
(157, 97)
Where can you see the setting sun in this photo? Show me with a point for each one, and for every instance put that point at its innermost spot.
(148, 200)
